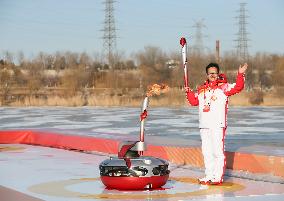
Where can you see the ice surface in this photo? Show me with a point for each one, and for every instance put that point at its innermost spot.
(250, 128)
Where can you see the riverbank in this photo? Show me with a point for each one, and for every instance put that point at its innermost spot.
(134, 97)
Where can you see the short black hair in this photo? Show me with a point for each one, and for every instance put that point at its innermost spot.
(215, 65)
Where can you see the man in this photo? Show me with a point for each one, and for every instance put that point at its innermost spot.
(212, 99)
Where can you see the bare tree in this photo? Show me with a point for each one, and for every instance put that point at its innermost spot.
(21, 58)
(5, 85)
(35, 76)
(74, 80)
(278, 73)
(85, 60)
(152, 65)
(130, 65)
(59, 62)
(72, 59)
(9, 57)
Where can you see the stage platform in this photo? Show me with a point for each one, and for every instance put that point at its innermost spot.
(56, 167)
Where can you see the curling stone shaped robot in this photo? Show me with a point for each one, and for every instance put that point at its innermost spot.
(131, 170)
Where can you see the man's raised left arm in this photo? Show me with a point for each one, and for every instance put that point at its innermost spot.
(240, 81)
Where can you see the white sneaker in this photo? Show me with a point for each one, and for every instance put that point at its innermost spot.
(215, 181)
(204, 180)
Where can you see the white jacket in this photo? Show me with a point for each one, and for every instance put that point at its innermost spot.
(212, 99)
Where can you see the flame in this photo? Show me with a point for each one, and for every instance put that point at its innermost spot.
(157, 89)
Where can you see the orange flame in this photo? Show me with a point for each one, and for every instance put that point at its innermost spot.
(157, 89)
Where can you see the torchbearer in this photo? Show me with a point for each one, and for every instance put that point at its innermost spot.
(212, 100)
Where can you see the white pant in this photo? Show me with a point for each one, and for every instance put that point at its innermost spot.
(213, 150)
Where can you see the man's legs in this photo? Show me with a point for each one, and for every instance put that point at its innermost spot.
(218, 143)
(207, 151)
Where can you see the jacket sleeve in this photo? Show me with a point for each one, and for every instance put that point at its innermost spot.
(240, 83)
(192, 98)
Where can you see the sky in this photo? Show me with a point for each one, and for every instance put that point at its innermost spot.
(34, 26)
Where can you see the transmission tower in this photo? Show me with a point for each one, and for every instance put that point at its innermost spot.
(198, 46)
(109, 37)
(242, 41)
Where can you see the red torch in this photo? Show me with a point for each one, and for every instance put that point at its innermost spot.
(184, 60)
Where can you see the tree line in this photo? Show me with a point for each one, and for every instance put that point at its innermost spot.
(74, 72)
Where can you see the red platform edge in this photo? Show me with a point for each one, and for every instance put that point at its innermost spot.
(249, 162)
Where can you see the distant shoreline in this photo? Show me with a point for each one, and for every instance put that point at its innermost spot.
(133, 98)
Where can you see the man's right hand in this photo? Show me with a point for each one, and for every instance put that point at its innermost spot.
(187, 89)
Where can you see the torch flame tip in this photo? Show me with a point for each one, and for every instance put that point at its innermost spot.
(157, 89)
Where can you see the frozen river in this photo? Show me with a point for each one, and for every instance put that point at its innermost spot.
(248, 126)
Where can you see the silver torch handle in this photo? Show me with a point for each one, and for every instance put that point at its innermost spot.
(143, 117)
(142, 124)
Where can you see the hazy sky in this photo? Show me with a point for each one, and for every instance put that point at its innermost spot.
(75, 25)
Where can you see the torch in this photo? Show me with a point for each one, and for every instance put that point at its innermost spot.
(143, 116)
(155, 89)
(184, 60)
